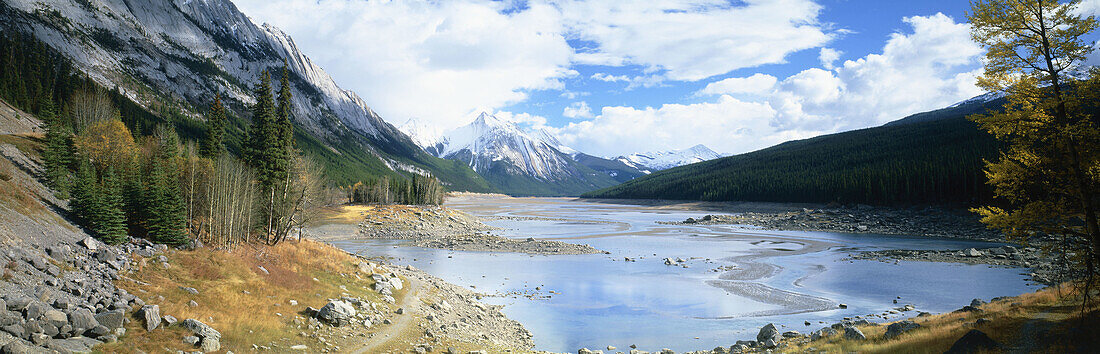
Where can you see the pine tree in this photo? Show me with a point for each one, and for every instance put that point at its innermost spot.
(214, 144)
(111, 223)
(164, 205)
(85, 202)
(57, 154)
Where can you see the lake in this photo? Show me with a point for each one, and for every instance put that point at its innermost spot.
(736, 279)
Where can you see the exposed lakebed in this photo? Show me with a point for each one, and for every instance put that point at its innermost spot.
(736, 279)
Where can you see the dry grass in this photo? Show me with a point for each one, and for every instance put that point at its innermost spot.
(939, 332)
(308, 272)
(345, 214)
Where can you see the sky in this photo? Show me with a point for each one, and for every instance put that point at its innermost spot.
(614, 77)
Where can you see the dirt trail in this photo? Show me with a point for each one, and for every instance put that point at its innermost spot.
(410, 302)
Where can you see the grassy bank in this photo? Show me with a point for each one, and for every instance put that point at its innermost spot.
(1048, 320)
(245, 293)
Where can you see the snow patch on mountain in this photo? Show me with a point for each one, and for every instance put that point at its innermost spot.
(661, 160)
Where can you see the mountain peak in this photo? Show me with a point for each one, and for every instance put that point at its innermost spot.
(660, 160)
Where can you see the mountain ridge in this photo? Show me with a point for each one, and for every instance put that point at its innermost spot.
(182, 53)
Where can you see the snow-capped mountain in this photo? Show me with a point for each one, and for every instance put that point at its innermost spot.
(513, 160)
(660, 160)
(183, 52)
(425, 135)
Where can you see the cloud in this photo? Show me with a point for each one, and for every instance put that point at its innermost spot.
(692, 40)
(610, 78)
(527, 120)
(757, 84)
(828, 56)
(577, 110)
(933, 66)
(728, 124)
(435, 60)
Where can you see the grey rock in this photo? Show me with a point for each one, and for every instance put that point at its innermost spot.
(336, 313)
(977, 303)
(98, 331)
(15, 330)
(82, 320)
(190, 290)
(15, 347)
(852, 333)
(17, 302)
(73, 345)
(55, 318)
(768, 332)
(169, 320)
(898, 328)
(201, 329)
(150, 314)
(89, 243)
(822, 333)
(791, 334)
(111, 319)
(191, 340)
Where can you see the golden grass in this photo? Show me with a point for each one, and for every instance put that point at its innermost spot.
(308, 272)
(939, 332)
(349, 214)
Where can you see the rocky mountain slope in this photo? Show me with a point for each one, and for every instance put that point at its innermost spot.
(181, 53)
(662, 160)
(511, 159)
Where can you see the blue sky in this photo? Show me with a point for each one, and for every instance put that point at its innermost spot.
(613, 77)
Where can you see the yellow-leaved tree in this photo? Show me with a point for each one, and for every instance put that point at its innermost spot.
(1047, 177)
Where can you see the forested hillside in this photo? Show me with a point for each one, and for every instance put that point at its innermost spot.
(170, 59)
(937, 159)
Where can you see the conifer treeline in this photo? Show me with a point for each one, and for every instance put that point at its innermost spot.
(419, 190)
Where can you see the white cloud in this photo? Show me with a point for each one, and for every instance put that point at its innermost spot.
(933, 66)
(757, 84)
(828, 56)
(577, 110)
(435, 60)
(728, 124)
(610, 78)
(693, 39)
(522, 119)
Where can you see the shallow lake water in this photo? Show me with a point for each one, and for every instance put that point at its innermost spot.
(737, 278)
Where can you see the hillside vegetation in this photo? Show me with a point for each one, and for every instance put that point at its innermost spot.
(937, 159)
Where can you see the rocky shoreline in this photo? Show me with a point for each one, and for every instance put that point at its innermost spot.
(929, 221)
(1044, 266)
(445, 228)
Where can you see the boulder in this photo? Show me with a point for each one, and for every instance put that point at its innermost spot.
(822, 333)
(336, 313)
(973, 342)
(150, 315)
(898, 328)
(852, 333)
(111, 319)
(72, 345)
(169, 320)
(977, 303)
(15, 347)
(210, 338)
(768, 337)
(56, 318)
(191, 340)
(791, 334)
(81, 320)
(971, 252)
(89, 243)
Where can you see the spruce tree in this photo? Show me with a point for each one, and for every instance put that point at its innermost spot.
(85, 202)
(163, 199)
(260, 151)
(57, 153)
(214, 144)
(286, 127)
(111, 223)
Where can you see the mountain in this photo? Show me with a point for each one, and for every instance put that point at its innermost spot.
(181, 53)
(933, 157)
(422, 134)
(661, 160)
(512, 160)
(617, 170)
